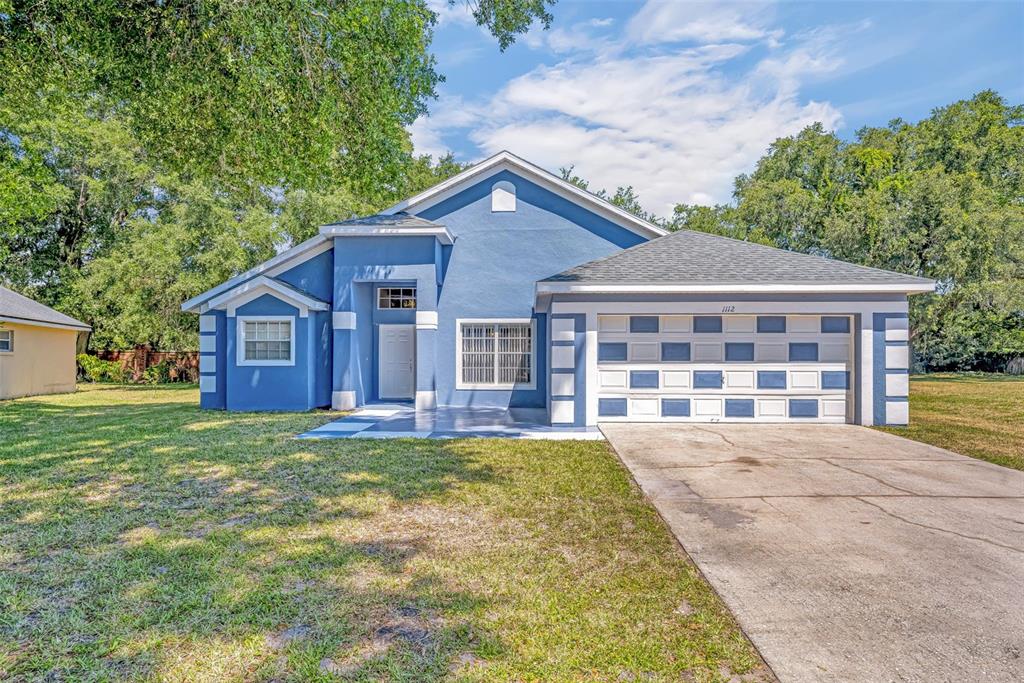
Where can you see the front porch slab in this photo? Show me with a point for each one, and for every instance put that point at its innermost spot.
(404, 421)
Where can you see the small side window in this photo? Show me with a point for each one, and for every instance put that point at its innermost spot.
(6, 341)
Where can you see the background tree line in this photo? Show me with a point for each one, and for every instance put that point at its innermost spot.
(942, 198)
(150, 150)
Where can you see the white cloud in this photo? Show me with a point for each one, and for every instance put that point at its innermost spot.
(677, 123)
(661, 21)
(456, 13)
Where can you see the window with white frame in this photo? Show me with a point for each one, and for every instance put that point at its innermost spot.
(396, 297)
(6, 341)
(266, 340)
(496, 354)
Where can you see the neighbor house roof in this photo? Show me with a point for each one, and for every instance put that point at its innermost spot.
(700, 262)
(16, 308)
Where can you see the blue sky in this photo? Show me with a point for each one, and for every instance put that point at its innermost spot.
(677, 98)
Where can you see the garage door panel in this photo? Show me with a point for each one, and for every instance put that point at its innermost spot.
(728, 368)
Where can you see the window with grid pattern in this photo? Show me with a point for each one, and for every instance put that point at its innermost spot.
(497, 353)
(268, 340)
(6, 340)
(396, 297)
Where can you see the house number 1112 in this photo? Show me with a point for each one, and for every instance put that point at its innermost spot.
(728, 309)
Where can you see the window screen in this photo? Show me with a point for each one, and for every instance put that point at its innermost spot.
(497, 353)
(6, 340)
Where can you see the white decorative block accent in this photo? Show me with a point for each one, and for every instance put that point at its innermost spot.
(563, 329)
(897, 329)
(897, 357)
(772, 353)
(207, 343)
(343, 400)
(426, 400)
(207, 323)
(425, 320)
(563, 356)
(563, 384)
(707, 351)
(344, 320)
(503, 197)
(897, 385)
(676, 323)
(834, 353)
(739, 323)
(644, 351)
(208, 364)
(207, 384)
(736, 379)
(612, 323)
(803, 379)
(833, 408)
(771, 407)
(675, 379)
(803, 324)
(643, 407)
(897, 412)
(612, 378)
(707, 407)
(563, 412)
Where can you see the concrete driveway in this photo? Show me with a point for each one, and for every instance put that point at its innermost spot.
(845, 553)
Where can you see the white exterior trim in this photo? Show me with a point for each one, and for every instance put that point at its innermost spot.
(207, 323)
(240, 340)
(207, 384)
(343, 320)
(780, 288)
(460, 385)
(278, 264)
(506, 161)
(343, 400)
(207, 343)
(257, 287)
(40, 323)
(426, 320)
(426, 400)
(443, 235)
(715, 307)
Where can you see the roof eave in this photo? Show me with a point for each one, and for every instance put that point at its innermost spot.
(545, 287)
(441, 233)
(77, 325)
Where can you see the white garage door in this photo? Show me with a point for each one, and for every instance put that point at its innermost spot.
(729, 368)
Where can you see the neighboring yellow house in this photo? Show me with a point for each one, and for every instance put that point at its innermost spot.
(37, 347)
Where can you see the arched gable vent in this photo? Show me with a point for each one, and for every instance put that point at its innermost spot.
(503, 196)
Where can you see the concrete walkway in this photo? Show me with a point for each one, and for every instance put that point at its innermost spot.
(845, 553)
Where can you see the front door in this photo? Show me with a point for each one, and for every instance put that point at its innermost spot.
(397, 361)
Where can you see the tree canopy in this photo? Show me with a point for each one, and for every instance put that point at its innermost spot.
(942, 198)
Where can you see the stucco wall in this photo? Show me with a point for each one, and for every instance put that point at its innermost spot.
(43, 361)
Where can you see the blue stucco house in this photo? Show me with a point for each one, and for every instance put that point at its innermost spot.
(506, 286)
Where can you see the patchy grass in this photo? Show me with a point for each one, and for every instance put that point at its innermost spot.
(976, 414)
(141, 538)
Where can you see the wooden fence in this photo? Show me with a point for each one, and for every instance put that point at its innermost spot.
(184, 364)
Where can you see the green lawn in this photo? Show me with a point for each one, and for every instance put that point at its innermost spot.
(975, 414)
(141, 538)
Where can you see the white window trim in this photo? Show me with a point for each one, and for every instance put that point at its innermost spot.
(240, 339)
(415, 297)
(459, 384)
(10, 336)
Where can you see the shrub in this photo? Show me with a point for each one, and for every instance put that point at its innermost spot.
(158, 374)
(93, 369)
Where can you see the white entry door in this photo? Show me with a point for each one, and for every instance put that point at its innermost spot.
(397, 361)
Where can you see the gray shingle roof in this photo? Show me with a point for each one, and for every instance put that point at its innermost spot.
(395, 220)
(22, 309)
(698, 258)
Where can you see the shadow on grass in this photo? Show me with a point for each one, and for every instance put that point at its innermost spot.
(136, 534)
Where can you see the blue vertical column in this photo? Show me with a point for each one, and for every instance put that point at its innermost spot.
(567, 379)
(344, 341)
(212, 360)
(426, 343)
(891, 371)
